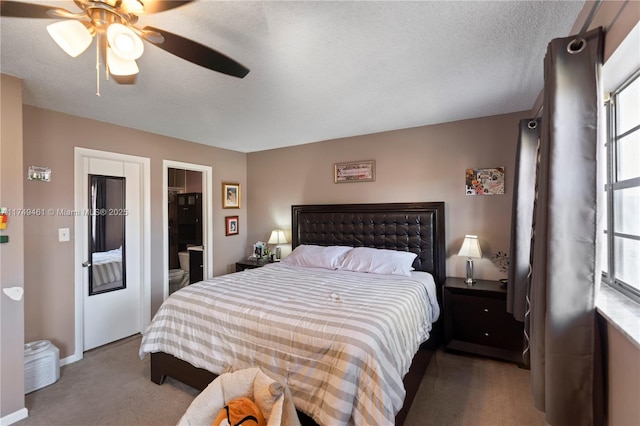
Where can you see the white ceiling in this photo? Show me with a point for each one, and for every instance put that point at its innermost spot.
(319, 70)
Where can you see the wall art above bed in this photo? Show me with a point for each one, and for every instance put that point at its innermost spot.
(355, 171)
(484, 181)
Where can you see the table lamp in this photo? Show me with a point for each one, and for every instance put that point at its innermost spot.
(277, 237)
(471, 249)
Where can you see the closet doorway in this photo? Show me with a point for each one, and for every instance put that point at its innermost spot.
(187, 230)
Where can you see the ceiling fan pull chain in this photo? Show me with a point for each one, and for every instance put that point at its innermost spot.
(98, 65)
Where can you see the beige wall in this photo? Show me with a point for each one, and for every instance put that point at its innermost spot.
(11, 253)
(623, 365)
(418, 164)
(49, 140)
(194, 181)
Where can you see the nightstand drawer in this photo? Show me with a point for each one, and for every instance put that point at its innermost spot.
(474, 309)
(479, 320)
(487, 334)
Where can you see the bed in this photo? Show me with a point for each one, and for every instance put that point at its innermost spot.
(361, 377)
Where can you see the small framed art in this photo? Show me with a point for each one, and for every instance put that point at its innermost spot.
(484, 181)
(355, 171)
(231, 225)
(230, 195)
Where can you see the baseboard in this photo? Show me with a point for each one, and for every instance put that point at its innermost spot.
(14, 417)
(71, 359)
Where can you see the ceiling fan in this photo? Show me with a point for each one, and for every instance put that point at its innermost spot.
(119, 41)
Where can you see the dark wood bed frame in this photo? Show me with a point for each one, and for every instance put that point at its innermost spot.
(415, 227)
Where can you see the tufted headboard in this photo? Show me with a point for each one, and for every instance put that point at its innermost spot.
(414, 227)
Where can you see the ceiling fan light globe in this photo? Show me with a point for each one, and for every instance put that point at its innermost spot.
(124, 42)
(72, 36)
(133, 6)
(119, 66)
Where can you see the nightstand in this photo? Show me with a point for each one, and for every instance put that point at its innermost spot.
(250, 264)
(476, 320)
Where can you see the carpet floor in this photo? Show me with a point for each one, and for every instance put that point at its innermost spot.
(111, 386)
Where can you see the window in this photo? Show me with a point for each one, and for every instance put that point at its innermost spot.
(621, 254)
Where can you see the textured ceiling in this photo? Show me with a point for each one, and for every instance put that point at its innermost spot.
(319, 70)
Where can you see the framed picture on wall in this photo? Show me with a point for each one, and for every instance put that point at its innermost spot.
(484, 181)
(231, 225)
(355, 171)
(230, 195)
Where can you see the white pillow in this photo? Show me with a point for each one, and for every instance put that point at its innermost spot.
(311, 256)
(378, 261)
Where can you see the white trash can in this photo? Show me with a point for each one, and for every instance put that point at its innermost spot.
(41, 365)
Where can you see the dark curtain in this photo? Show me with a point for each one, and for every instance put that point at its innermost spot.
(564, 349)
(99, 193)
(522, 217)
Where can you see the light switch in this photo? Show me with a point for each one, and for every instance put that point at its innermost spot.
(63, 234)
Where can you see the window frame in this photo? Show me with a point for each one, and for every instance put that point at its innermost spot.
(613, 184)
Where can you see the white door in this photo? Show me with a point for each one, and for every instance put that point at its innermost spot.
(112, 312)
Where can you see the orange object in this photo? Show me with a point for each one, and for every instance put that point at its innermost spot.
(240, 411)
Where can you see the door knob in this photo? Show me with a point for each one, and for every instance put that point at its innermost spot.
(86, 264)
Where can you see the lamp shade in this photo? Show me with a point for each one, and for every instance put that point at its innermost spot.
(277, 237)
(470, 247)
(124, 42)
(72, 36)
(119, 66)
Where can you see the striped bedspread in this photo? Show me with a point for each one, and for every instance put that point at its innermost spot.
(107, 267)
(342, 341)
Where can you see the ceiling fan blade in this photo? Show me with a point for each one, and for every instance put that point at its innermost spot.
(16, 9)
(198, 54)
(155, 6)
